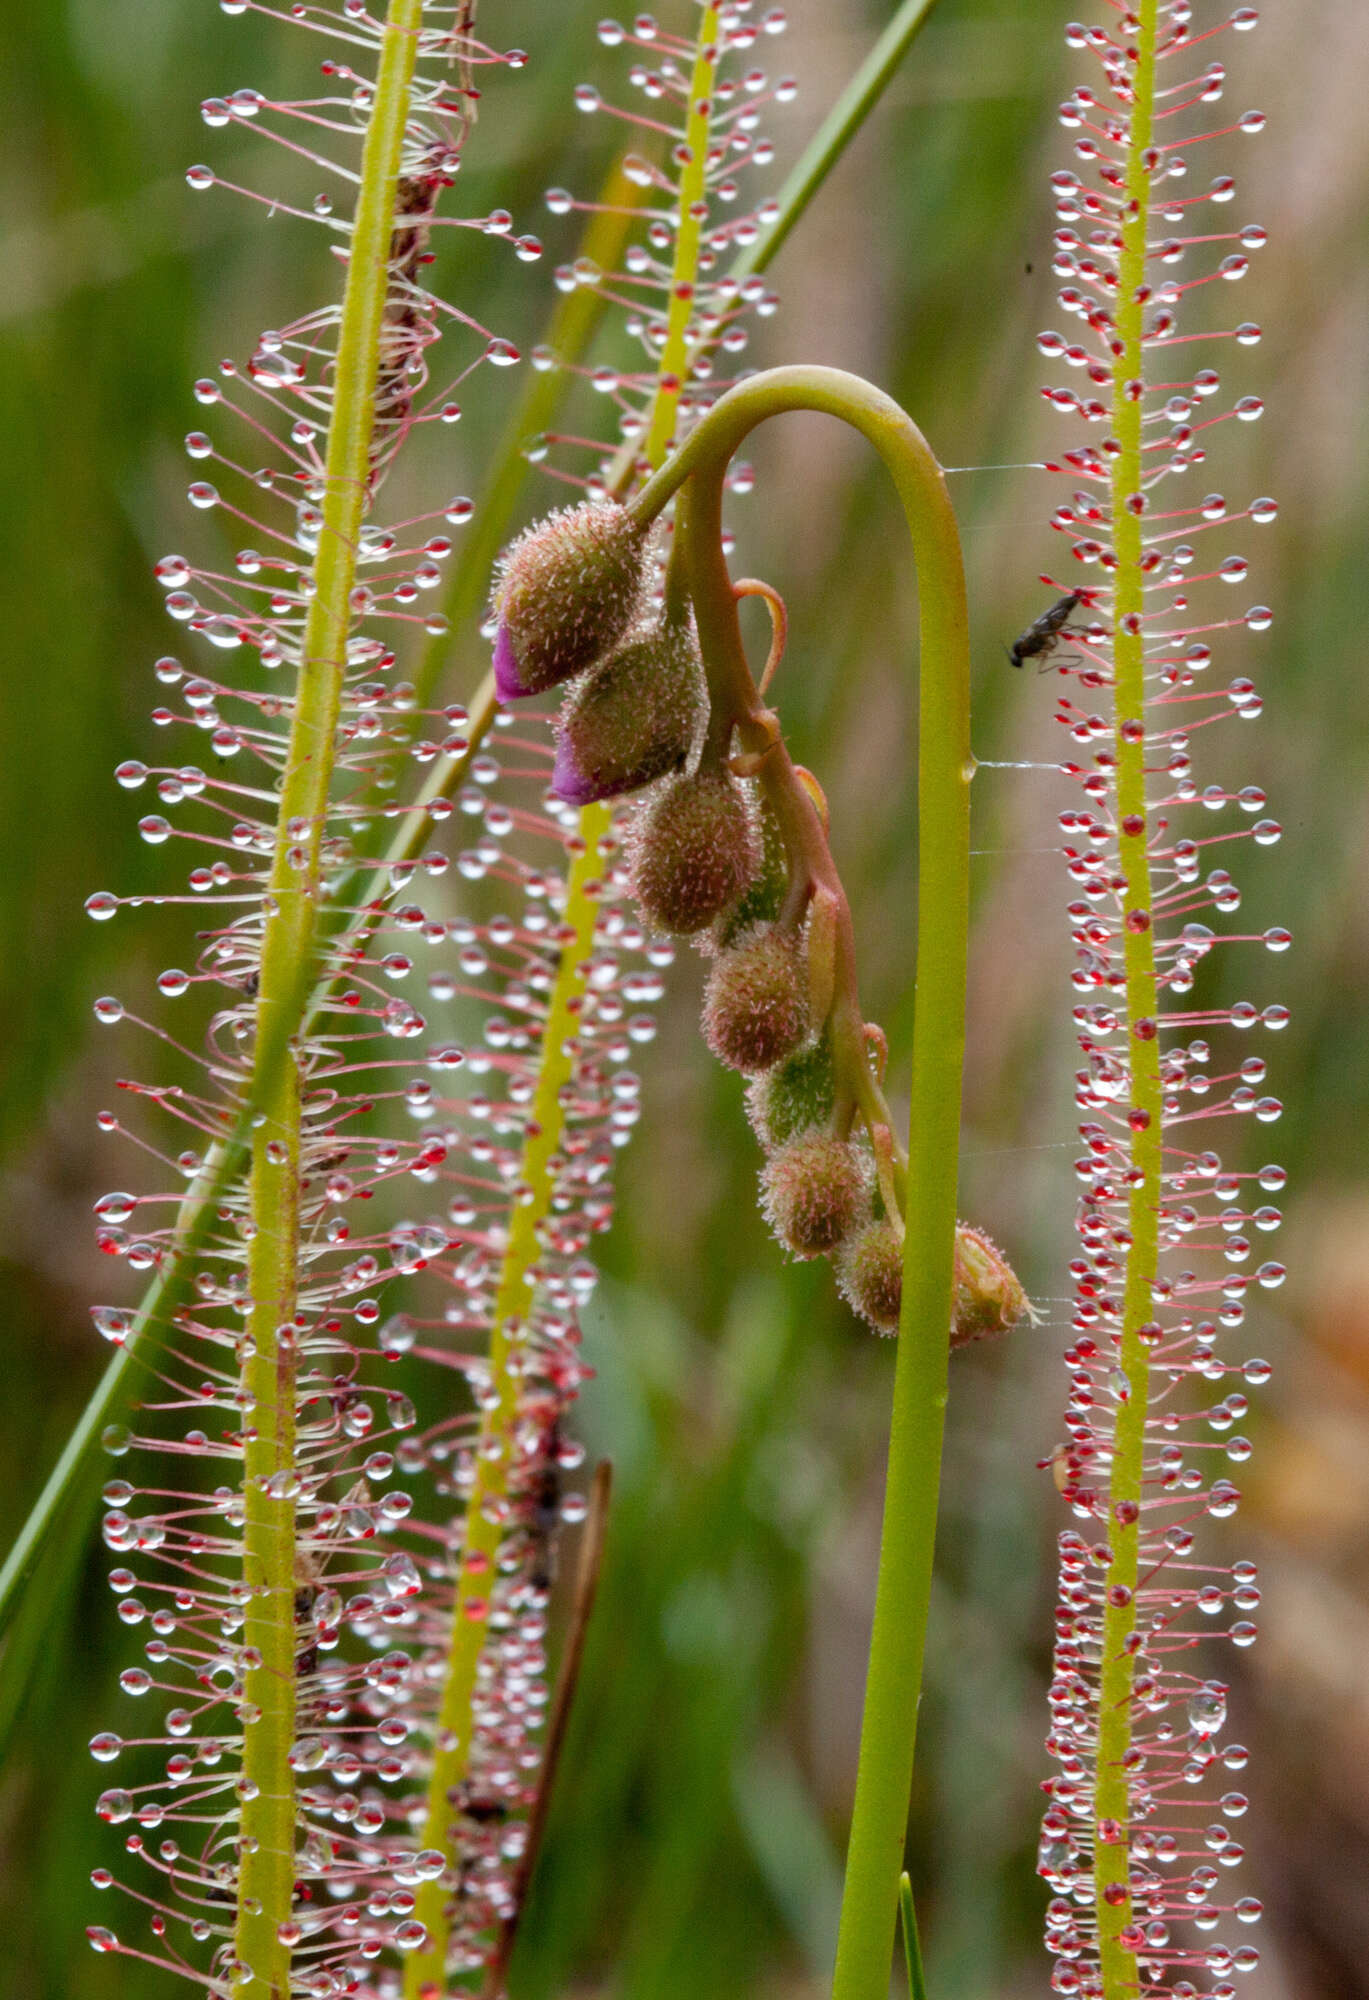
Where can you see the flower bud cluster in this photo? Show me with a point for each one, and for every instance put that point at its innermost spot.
(707, 857)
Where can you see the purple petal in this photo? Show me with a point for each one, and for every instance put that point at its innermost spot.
(508, 683)
(568, 781)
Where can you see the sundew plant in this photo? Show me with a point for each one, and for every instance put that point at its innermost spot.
(1141, 1830)
(441, 793)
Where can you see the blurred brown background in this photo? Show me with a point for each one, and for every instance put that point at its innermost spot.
(696, 1843)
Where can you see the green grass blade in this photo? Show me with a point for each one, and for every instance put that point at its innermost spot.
(77, 1469)
(42, 1632)
(912, 1949)
(836, 132)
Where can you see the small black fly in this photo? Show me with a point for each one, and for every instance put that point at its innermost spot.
(1042, 637)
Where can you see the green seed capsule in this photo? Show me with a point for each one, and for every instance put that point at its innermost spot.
(801, 1092)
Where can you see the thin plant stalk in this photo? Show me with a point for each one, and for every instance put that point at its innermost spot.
(673, 372)
(485, 1530)
(945, 767)
(1117, 1669)
(470, 1610)
(267, 1827)
(1128, 1859)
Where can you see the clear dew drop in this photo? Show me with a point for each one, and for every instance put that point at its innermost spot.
(1206, 1710)
(112, 1323)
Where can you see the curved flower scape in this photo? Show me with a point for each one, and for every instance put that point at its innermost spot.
(709, 857)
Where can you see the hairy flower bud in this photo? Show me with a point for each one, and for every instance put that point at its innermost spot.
(763, 900)
(800, 1093)
(870, 1275)
(987, 1297)
(756, 1001)
(693, 851)
(815, 1191)
(635, 717)
(568, 590)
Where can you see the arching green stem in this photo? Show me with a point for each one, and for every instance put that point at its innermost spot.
(945, 767)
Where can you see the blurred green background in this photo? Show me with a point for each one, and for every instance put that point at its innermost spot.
(697, 1833)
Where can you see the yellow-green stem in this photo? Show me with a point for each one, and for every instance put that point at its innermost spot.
(945, 766)
(266, 1878)
(1112, 1841)
(425, 1970)
(485, 1530)
(673, 373)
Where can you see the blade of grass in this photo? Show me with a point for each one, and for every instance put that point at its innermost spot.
(835, 133)
(43, 1634)
(912, 1949)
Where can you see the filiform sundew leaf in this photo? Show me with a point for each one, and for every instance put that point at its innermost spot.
(1140, 1831)
(291, 1518)
(580, 988)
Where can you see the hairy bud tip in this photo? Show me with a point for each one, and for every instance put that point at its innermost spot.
(568, 590)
